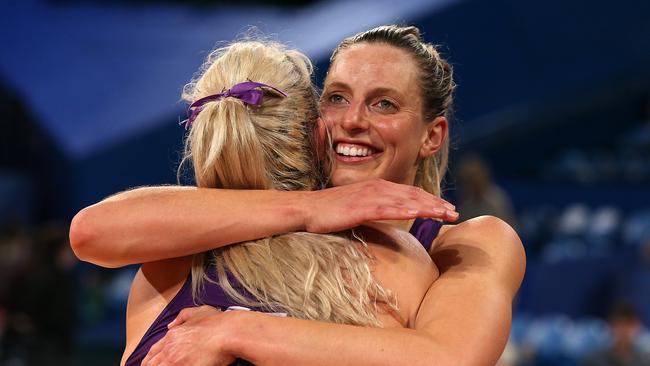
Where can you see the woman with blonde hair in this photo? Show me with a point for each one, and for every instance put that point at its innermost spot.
(385, 103)
(257, 135)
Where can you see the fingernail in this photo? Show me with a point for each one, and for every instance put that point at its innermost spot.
(450, 206)
(453, 214)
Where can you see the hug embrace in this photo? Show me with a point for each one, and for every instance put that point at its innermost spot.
(316, 233)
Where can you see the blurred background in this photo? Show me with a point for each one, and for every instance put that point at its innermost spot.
(551, 132)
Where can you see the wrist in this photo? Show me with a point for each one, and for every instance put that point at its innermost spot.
(304, 199)
(241, 333)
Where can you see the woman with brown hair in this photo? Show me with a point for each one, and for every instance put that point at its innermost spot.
(385, 104)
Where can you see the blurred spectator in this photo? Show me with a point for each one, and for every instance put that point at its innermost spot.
(39, 299)
(645, 251)
(478, 194)
(625, 326)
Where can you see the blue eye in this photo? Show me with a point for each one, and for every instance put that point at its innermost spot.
(385, 104)
(336, 98)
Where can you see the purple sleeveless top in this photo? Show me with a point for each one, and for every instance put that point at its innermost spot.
(425, 230)
(212, 295)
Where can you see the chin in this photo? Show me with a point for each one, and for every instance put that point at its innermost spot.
(345, 178)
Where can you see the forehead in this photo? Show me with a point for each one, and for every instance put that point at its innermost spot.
(365, 66)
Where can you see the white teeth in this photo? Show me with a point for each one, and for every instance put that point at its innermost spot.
(353, 151)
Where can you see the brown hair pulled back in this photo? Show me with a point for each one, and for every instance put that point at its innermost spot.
(436, 85)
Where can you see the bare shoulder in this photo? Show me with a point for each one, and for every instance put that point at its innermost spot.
(469, 308)
(153, 287)
(159, 281)
(485, 228)
(486, 244)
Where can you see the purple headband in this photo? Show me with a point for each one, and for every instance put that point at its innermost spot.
(247, 92)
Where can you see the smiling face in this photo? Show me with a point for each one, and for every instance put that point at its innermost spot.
(372, 106)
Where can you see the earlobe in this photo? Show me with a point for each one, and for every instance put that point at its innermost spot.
(436, 133)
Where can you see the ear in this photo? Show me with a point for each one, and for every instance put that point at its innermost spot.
(436, 133)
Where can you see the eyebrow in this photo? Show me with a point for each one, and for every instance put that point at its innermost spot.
(386, 90)
(337, 84)
(378, 90)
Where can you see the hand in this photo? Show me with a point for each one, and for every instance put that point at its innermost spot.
(195, 337)
(195, 314)
(346, 207)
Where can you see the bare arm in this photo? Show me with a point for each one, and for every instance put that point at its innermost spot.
(482, 264)
(153, 223)
(463, 320)
(215, 338)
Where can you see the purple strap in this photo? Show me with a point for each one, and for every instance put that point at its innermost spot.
(425, 230)
(248, 92)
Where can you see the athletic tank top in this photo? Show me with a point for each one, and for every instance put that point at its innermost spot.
(425, 230)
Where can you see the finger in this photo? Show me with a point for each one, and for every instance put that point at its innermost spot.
(206, 308)
(425, 196)
(182, 317)
(399, 192)
(430, 200)
(176, 322)
(187, 313)
(421, 204)
(162, 358)
(440, 213)
(428, 197)
(152, 360)
(153, 352)
(147, 359)
(452, 216)
(407, 213)
(404, 213)
(445, 203)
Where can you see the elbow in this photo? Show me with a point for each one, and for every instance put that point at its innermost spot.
(81, 234)
(85, 235)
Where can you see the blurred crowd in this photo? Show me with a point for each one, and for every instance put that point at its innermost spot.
(585, 300)
(626, 160)
(55, 310)
(37, 310)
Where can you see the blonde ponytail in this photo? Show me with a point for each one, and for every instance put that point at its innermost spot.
(235, 145)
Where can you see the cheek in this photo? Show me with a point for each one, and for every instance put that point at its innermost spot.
(329, 116)
(406, 140)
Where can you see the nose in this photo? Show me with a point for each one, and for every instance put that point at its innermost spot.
(354, 119)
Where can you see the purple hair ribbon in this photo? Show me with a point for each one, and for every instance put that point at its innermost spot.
(248, 92)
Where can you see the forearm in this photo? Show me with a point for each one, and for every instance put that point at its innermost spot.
(267, 340)
(153, 223)
(464, 318)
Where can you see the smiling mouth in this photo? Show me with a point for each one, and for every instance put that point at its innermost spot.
(353, 150)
